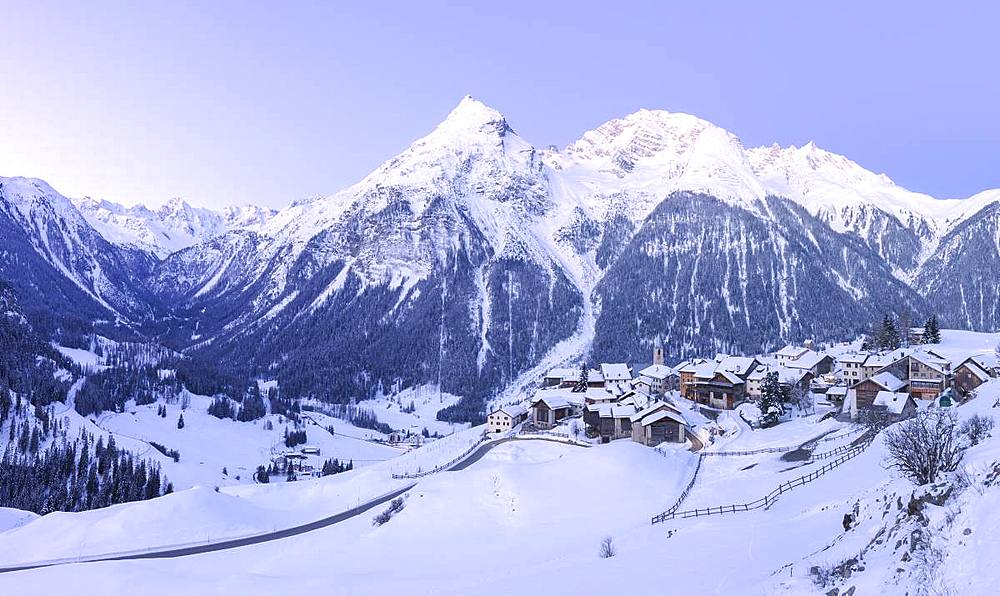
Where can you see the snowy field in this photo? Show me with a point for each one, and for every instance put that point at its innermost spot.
(529, 518)
(530, 515)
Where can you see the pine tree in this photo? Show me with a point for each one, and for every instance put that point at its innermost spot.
(581, 385)
(180, 421)
(932, 333)
(770, 398)
(889, 335)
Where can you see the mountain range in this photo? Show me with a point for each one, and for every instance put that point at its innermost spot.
(473, 259)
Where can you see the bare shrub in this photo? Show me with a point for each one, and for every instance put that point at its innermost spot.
(608, 548)
(977, 428)
(926, 446)
(395, 506)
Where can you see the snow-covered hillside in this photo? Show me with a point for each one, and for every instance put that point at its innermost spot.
(534, 513)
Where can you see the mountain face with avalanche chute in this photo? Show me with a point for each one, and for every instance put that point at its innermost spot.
(473, 259)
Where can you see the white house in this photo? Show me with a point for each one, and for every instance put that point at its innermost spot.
(616, 376)
(790, 353)
(852, 367)
(503, 419)
(654, 380)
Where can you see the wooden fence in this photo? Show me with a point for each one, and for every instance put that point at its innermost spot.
(482, 440)
(768, 499)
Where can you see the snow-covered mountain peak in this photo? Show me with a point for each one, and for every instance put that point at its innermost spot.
(173, 226)
(640, 159)
(472, 115)
(836, 188)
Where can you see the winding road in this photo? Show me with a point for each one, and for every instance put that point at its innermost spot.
(183, 551)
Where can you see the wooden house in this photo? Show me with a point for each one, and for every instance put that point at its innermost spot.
(867, 390)
(658, 423)
(548, 410)
(968, 376)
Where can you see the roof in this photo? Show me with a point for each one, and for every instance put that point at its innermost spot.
(654, 407)
(705, 370)
(807, 361)
(740, 365)
(931, 361)
(563, 373)
(690, 366)
(656, 371)
(858, 358)
(730, 377)
(616, 372)
(888, 381)
(985, 361)
(893, 402)
(837, 390)
(513, 410)
(791, 351)
(554, 401)
(661, 415)
(976, 370)
(887, 358)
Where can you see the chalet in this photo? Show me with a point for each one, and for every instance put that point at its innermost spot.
(549, 406)
(741, 366)
(929, 374)
(310, 450)
(556, 376)
(658, 423)
(790, 353)
(852, 367)
(547, 411)
(504, 419)
(617, 376)
(915, 335)
(699, 371)
(988, 362)
(969, 375)
(655, 379)
(812, 362)
(595, 395)
(610, 421)
(867, 390)
(723, 390)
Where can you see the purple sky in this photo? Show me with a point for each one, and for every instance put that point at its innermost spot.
(228, 103)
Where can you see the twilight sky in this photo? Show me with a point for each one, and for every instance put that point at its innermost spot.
(223, 103)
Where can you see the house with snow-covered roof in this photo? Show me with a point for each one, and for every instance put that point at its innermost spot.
(505, 418)
(549, 407)
(969, 375)
(851, 367)
(790, 353)
(610, 421)
(813, 362)
(788, 378)
(659, 422)
(884, 381)
(617, 376)
(929, 374)
(655, 380)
